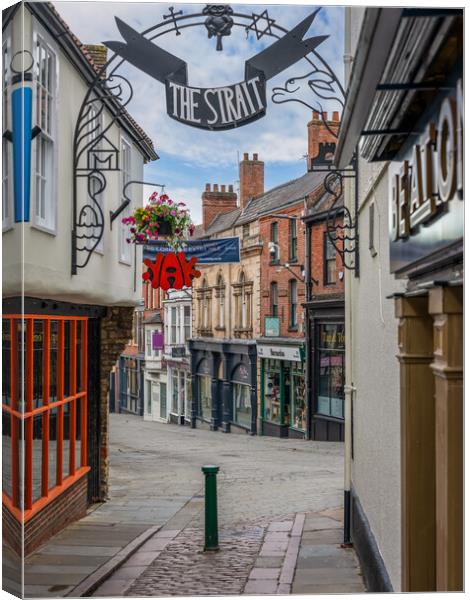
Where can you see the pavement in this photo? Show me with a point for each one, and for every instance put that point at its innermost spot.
(279, 518)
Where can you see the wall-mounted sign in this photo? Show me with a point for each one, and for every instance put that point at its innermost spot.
(170, 271)
(279, 352)
(426, 187)
(178, 351)
(223, 250)
(215, 108)
(272, 327)
(157, 340)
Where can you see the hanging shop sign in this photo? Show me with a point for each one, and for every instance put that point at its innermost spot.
(215, 108)
(171, 271)
(223, 250)
(279, 352)
(426, 187)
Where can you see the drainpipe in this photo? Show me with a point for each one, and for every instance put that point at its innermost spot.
(349, 388)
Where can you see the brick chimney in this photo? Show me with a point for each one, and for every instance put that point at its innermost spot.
(98, 53)
(251, 178)
(318, 132)
(215, 202)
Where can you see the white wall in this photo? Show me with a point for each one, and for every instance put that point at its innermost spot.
(47, 258)
(375, 372)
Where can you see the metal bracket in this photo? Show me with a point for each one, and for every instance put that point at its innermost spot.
(113, 215)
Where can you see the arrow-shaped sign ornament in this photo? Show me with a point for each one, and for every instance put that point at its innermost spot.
(215, 108)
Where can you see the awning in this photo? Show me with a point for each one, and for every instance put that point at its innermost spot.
(403, 60)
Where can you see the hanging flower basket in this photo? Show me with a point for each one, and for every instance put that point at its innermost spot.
(160, 219)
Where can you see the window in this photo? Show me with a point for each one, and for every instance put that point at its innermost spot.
(299, 404)
(220, 295)
(53, 415)
(293, 240)
(241, 404)
(148, 338)
(246, 231)
(273, 297)
(243, 291)
(205, 397)
(174, 389)
(44, 116)
(187, 322)
(293, 304)
(205, 294)
(330, 260)
(173, 324)
(6, 145)
(272, 390)
(330, 364)
(275, 240)
(124, 246)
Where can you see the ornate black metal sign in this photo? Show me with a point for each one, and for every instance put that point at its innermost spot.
(223, 107)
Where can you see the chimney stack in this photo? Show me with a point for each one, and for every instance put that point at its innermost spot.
(319, 133)
(99, 55)
(251, 178)
(215, 202)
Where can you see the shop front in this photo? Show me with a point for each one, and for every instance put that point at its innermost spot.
(326, 370)
(224, 385)
(282, 391)
(179, 388)
(131, 391)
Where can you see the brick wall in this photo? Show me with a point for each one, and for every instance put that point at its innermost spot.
(215, 201)
(251, 178)
(116, 330)
(318, 262)
(66, 508)
(319, 133)
(269, 271)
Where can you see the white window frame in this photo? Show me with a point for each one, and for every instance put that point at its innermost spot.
(7, 162)
(49, 223)
(125, 254)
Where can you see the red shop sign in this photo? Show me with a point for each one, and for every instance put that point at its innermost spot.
(171, 271)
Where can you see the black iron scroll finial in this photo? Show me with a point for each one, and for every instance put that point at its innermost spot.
(173, 16)
(219, 22)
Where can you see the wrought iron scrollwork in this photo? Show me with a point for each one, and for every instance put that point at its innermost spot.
(95, 156)
(341, 225)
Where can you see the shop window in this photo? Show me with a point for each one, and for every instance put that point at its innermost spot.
(329, 266)
(292, 240)
(330, 370)
(274, 299)
(163, 400)
(44, 116)
(275, 242)
(205, 397)
(174, 391)
(182, 390)
(241, 404)
(188, 398)
(293, 304)
(299, 404)
(272, 391)
(47, 431)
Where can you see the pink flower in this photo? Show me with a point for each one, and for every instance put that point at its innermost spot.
(173, 213)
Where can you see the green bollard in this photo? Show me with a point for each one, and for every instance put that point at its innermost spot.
(211, 539)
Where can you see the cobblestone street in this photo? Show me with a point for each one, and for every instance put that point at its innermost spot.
(279, 502)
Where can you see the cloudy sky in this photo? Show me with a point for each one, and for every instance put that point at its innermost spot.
(190, 157)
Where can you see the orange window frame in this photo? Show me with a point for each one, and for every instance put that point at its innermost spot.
(22, 414)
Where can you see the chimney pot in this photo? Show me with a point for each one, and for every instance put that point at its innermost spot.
(325, 116)
(335, 115)
(208, 187)
(255, 156)
(222, 188)
(230, 188)
(245, 156)
(216, 187)
(315, 115)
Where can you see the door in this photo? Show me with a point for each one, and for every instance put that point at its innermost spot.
(163, 401)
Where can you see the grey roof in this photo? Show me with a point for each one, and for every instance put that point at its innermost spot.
(281, 196)
(272, 201)
(155, 318)
(222, 222)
